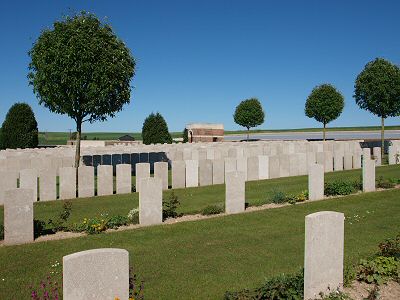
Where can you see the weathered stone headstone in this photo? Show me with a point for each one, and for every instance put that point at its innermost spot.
(230, 165)
(316, 182)
(218, 171)
(377, 155)
(85, 181)
(205, 172)
(192, 173)
(392, 153)
(142, 172)
(357, 160)
(263, 167)
(338, 161)
(252, 168)
(328, 161)
(18, 216)
(242, 166)
(284, 165)
(8, 181)
(178, 169)
(234, 192)
(105, 181)
(366, 152)
(368, 175)
(48, 185)
(124, 179)
(28, 180)
(67, 183)
(96, 274)
(323, 255)
(348, 161)
(274, 168)
(293, 165)
(161, 172)
(150, 201)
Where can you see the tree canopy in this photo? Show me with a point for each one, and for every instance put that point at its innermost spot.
(80, 68)
(19, 129)
(324, 104)
(249, 113)
(377, 88)
(155, 130)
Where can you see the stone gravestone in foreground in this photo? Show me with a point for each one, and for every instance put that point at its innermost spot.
(323, 256)
(234, 192)
(18, 216)
(192, 173)
(150, 201)
(205, 172)
(96, 274)
(316, 182)
(218, 171)
(48, 185)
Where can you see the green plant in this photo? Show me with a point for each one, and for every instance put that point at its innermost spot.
(390, 247)
(59, 223)
(92, 226)
(1, 232)
(378, 270)
(117, 221)
(81, 69)
(377, 89)
(335, 295)
(170, 206)
(349, 275)
(39, 228)
(278, 197)
(338, 187)
(133, 216)
(155, 130)
(385, 183)
(281, 287)
(19, 129)
(249, 113)
(212, 210)
(324, 104)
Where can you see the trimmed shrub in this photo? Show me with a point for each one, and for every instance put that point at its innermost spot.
(280, 287)
(279, 197)
(170, 206)
(339, 187)
(185, 135)
(19, 129)
(155, 130)
(116, 221)
(212, 210)
(385, 183)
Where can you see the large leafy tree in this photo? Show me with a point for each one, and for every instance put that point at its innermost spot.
(19, 129)
(155, 130)
(80, 68)
(249, 113)
(377, 89)
(324, 104)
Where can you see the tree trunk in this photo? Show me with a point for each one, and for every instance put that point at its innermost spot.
(248, 130)
(78, 147)
(382, 136)
(324, 132)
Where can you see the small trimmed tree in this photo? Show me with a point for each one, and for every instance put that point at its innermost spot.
(324, 104)
(19, 129)
(377, 89)
(81, 69)
(155, 130)
(249, 113)
(185, 135)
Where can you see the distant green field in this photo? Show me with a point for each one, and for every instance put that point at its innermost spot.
(60, 138)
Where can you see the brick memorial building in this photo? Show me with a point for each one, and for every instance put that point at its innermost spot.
(204, 132)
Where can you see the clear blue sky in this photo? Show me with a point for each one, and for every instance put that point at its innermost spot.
(196, 60)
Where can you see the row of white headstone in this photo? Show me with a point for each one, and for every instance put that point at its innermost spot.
(316, 179)
(323, 264)
(44, 184)
(18, 206)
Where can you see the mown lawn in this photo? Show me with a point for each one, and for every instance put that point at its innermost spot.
(194, 200)
(203, 259)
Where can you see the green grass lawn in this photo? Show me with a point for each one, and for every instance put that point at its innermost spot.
(203, 259)
(194, 200)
